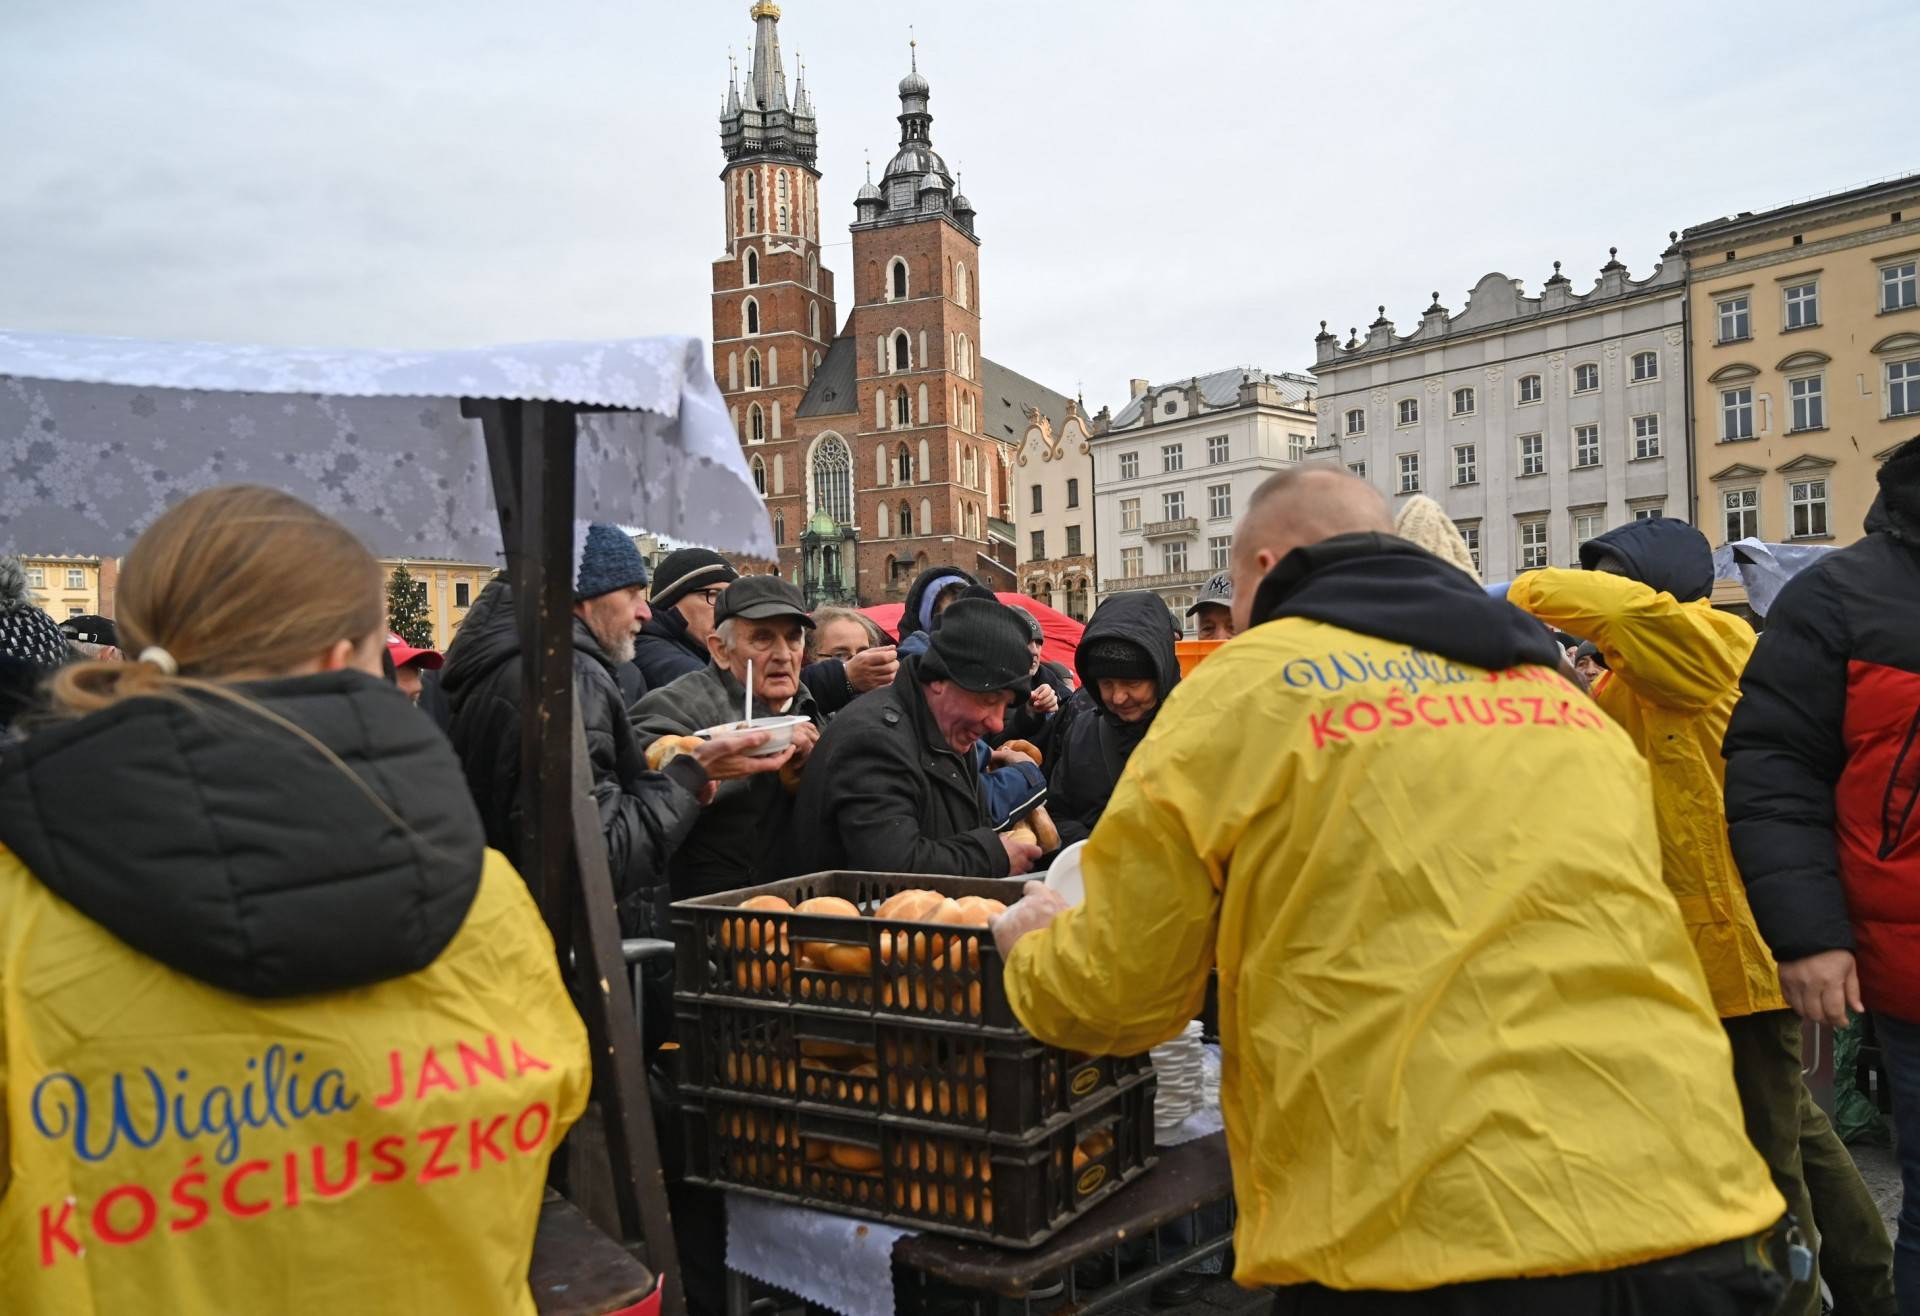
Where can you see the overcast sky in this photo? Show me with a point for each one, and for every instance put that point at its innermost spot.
(1165, 186)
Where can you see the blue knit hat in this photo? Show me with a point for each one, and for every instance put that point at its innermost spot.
(608, 562)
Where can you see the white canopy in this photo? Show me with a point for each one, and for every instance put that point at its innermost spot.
(98, 436)
(1764, 569)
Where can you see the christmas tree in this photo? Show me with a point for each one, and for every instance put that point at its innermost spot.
(407, 609)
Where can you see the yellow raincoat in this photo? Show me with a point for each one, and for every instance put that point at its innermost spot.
(168, 1146)
(1463, 1033)
(1676, 677)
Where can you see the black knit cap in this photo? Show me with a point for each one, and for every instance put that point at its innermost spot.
(1115, 659)
(687, 571)
(980, 646)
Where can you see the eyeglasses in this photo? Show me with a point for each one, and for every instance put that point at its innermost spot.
(712, 596)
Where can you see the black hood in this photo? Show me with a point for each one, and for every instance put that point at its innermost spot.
(1667, 554)
(225, 845)
(1897, 505)
(490, 636)
(1141, 619)
(1383, 586)
(910, 611)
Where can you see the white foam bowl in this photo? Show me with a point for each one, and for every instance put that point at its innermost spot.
(780, 732)
(1064, 877)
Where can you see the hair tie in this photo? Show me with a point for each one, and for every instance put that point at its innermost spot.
(160, 658)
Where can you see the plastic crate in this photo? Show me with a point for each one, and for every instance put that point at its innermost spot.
(1012, 1194)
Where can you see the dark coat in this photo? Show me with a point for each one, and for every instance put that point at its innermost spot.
(1823, 765)
(884, 792)
(664, 651)
(1086, 746)
(645, 815)
(1663, 552)
(227, 846)
(733, 844)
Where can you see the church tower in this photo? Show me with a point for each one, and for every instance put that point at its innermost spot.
(773, 311)
(940, 478)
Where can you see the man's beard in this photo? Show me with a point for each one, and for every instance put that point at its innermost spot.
(618, 645)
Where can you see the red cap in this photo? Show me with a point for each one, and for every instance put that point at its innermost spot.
(404, 653)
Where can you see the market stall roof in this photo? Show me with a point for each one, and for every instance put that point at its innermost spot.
(98, 436)
(1060, 633)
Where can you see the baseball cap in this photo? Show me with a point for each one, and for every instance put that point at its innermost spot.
(759, 598)
(90, 629)
(404, 654)
(1216, 593)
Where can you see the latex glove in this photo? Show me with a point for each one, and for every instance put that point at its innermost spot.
(1033, 911)
(1045, 699)
(1498, 589)
(731, 756)
(872, 668)
(1821, 987)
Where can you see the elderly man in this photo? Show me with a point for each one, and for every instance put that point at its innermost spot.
(762, 621)
(1472, 1064)
(1214, 608)
(894, 785)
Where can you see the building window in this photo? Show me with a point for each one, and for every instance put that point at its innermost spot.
(756, 424)
(779, 527)
(1903, 388)
(1357, 469)
(1470, 531)
(813, 326)
(1173, 505)
(833, 479)
(1809, 402)
(1132, 560)
(1463, 402)
(1173, 457)
(1219, 552)
(1036, 500)
(1736, 414)
(1898, 287)
(1129, 465)
(1807, 506)
(1409, 472)
(902, 352)
(1129, 513)
(1742, 509)
(1356, 421)
(1586, 445)
(1586, 525)
(1533, 454)
(750, 317)
(462, 594)
(898, 276)
(1646, 365)
(1466, 463)
(1173, 557)
(1039, 545)
(1533, 544)
(36, 577)
(1409, 411)
(753, 368)
(1297, 445)
(1650, 511)
(753, 266)
(1073, 494)
(1586, 378)
(1216, 449)
(1529, 389)
(902, 409)
(1646, 437)
(76, 578)
(1219, 502)
(759, 469)
(906, 519)
(903, 465)
(1736, 320)
(1073, 541)
(1803, 306)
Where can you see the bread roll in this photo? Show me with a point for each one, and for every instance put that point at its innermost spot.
(668, 748)
(1028, 748)
(755, 929)
(821, 952)
(1022, 832)
(895, 905)
(849, 1157)
(1046, 834)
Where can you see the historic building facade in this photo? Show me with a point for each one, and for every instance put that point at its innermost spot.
(1053, 511)
(873, 441)
(1805, 348)
(1174, 467)
(64, 587)
(1536, 422)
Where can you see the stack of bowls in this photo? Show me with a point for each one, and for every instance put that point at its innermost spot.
(1181, 1079)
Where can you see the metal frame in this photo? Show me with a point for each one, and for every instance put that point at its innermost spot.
(563, 852)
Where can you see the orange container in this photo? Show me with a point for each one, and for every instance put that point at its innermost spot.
(1190, 652)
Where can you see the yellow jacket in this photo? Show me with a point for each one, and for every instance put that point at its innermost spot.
(1463, 1035)
(1676, 677)
(168, 1146)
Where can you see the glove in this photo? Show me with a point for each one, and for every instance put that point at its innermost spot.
(1032, 912)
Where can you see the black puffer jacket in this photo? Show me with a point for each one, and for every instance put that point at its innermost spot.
(645, 814)
(882, 791)
(1086, 746)
(1823, 758)
(230, 847)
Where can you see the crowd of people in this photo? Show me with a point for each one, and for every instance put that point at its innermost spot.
(1516, 894)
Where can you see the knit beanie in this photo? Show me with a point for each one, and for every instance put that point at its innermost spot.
(980, 646)
(1034, 634)
(688, 571)
(31, 644)
(1423, 522)
(610, 561)
(1112, 658)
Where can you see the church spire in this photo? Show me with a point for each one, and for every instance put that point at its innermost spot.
(760, 120)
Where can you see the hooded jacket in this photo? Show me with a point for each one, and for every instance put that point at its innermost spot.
(273, 932)
(645, 814)
(912, 606)
(883, 792)
(1823, 762)
(1460, 1042)
(1675, 663)
(1086, 745)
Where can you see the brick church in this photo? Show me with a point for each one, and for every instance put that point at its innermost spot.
(883, 445)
